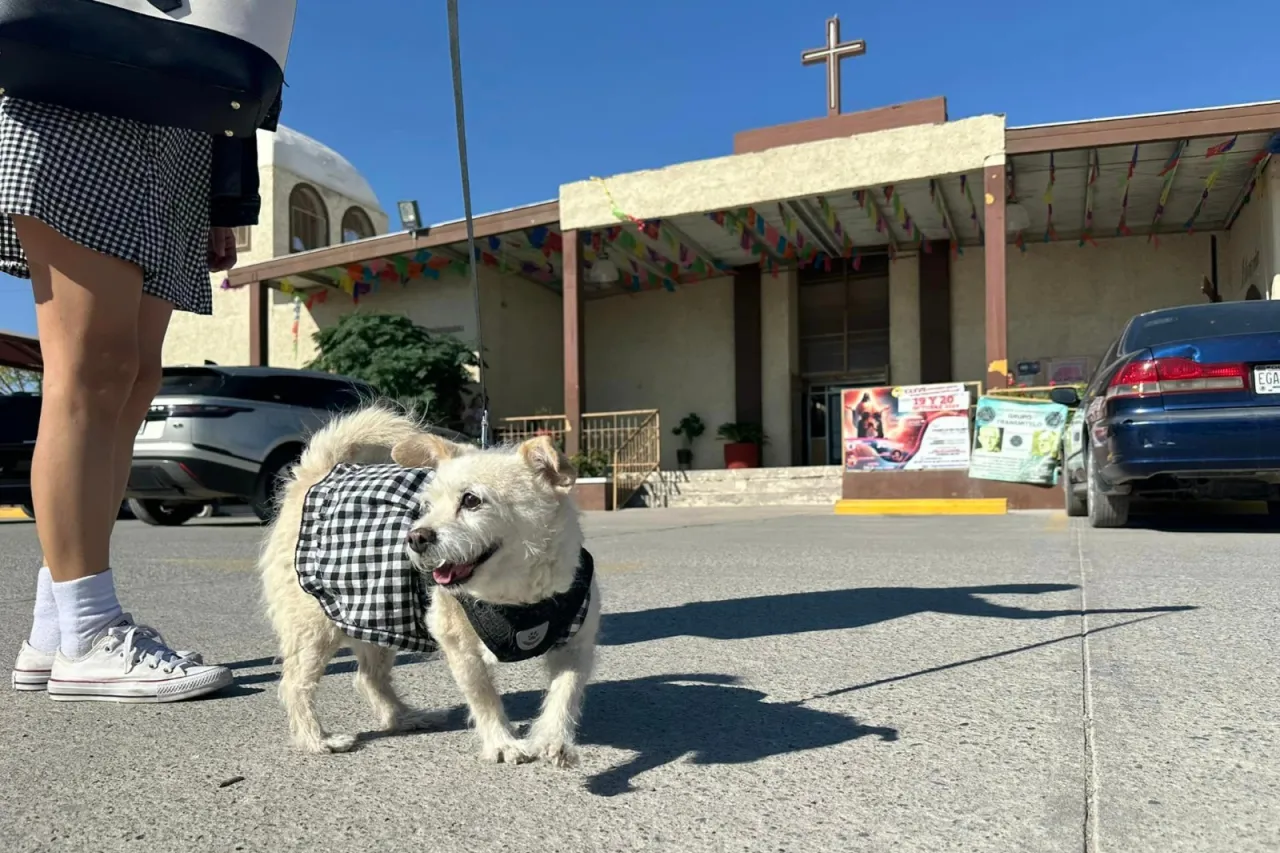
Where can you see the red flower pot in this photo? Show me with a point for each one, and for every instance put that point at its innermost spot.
(741, 454)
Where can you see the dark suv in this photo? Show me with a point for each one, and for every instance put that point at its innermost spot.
(19, 421)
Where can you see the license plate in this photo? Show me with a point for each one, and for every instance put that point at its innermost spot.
(1266, 379)
(151, 429)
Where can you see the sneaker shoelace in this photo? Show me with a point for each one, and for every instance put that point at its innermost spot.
(140, 644)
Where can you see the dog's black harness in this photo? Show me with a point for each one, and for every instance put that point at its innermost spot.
(352, 556)
(516, 632)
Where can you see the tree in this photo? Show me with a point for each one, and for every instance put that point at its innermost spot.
(14, 380)
(425, 373)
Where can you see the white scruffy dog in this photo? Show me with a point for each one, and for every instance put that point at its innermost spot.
(498, 525)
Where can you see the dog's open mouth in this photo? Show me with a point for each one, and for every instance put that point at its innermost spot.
(450, 574)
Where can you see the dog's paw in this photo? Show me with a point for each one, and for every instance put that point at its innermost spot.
(418, 719)
(326, 744)
(339, 743)
(560, 755)
(507, 752)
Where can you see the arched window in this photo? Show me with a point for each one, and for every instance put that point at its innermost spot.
(356, 225)
(308, 220)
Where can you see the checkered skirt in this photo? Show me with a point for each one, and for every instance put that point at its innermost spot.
(131, 190)
(352, 557)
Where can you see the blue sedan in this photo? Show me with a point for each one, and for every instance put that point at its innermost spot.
(1186, 405)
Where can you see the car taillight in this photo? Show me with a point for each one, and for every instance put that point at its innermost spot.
(184, 410)
(1155, 376)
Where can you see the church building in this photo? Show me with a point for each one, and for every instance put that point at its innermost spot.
(312, 198)
(889, 247)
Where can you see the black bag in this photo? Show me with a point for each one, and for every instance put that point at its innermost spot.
(215, 66)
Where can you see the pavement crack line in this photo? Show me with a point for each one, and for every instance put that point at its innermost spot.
(1090, 828)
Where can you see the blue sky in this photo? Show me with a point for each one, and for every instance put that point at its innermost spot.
(560, 91)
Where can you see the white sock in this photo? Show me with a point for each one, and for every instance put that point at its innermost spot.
(85, 608)
(45, 631)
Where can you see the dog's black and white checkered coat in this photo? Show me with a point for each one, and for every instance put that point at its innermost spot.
(351, 556)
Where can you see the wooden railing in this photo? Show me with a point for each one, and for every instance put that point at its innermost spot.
(516, 430)
(637, 459)
(606, 432)
(628, 444)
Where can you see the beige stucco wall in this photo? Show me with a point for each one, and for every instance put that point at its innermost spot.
(780, 365)
(904, 320)
(224, 336)
(523, 336)
(1066, 300)
(443, 306)
(792, 171)
(1247, 254)
(667, 351)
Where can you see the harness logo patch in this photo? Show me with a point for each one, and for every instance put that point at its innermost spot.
(530, 638)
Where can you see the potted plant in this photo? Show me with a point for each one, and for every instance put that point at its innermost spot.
(592, 465)
(593, 489)
(742, 443)
(689, 428)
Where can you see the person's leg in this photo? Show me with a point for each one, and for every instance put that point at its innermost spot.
(153, 324)
(88, 313)
(31, 672)
(87, 318)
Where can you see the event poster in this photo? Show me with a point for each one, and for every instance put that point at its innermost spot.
(911, 427)
(1018, 441)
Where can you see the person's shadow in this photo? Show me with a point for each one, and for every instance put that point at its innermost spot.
(829, 610)
(704, 716)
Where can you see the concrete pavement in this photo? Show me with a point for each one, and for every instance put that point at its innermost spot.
(769, 679)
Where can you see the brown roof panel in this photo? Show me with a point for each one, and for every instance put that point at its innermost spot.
(20, 351)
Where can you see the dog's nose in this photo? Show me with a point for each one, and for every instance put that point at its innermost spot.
(421, 538)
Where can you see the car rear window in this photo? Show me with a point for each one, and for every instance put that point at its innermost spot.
(286, 389)
(1202, 321)
(311, 392)
(190, 382)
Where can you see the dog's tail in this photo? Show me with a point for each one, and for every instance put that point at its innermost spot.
(362, 437)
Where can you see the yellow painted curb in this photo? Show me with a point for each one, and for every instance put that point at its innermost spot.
(11, 513)
(924, 506)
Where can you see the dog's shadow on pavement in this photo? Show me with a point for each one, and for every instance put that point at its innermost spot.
(830, 610)
(662, 719)
(711, 718)
(704, 716)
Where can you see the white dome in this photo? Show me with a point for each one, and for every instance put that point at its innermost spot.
(314, 162)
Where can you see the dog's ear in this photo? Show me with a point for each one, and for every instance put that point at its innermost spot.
(549, 462)
(425, 451)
